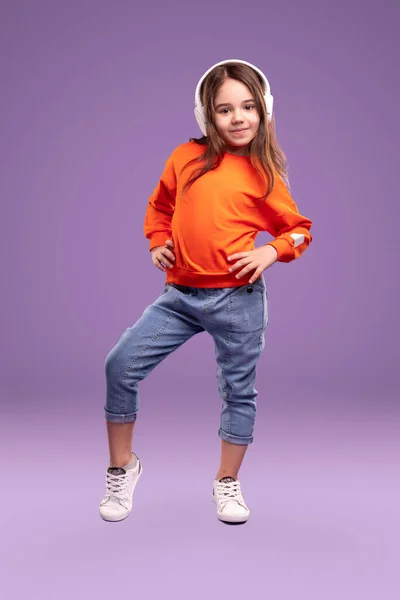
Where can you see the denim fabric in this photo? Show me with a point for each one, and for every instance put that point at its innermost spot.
(235, 317)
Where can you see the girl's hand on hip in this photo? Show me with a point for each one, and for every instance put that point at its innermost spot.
(163, 256)
(256, 260)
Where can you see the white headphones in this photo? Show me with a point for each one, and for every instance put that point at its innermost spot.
(199, 111)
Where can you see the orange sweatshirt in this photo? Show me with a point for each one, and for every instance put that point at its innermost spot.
(217, 217)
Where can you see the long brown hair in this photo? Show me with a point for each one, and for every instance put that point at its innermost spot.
(265, 153)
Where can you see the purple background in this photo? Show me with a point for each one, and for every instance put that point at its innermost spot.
(94, 97)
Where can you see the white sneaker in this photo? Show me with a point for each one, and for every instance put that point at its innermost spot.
(231, 506)
(116, 504)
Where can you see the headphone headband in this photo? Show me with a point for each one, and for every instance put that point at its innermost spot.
(199, 110)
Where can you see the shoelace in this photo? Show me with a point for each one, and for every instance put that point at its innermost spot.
(230, 490)
(117, 485)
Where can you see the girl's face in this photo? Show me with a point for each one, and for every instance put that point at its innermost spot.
(236, 116)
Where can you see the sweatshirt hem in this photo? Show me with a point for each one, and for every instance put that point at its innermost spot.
(205, 280)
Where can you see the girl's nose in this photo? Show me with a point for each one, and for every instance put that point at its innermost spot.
(237, 116)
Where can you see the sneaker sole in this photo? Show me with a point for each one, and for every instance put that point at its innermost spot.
(116, 518)
(231, 519)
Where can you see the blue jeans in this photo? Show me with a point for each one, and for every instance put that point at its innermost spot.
(235, 317)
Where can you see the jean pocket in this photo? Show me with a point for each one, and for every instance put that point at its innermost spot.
(247, 310)
(259, 284)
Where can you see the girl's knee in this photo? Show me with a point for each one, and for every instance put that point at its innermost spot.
(113, 364)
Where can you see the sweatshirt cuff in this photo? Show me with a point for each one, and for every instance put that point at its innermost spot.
(283, 248)
(159, 238)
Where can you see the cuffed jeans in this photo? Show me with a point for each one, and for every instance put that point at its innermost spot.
(235, 317)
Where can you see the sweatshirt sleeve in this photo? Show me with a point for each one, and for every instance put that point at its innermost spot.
(160, 207)
(290, 229)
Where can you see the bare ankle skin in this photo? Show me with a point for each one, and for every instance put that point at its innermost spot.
(120, 443)
(232, 456)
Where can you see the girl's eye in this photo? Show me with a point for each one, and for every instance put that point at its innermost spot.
(224, 111)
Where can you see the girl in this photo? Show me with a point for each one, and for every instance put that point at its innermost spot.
(215, 194)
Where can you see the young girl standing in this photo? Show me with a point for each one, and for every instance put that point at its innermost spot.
(215, 194)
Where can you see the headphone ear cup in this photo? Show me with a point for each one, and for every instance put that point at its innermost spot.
(200, 118)
(269, 103)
